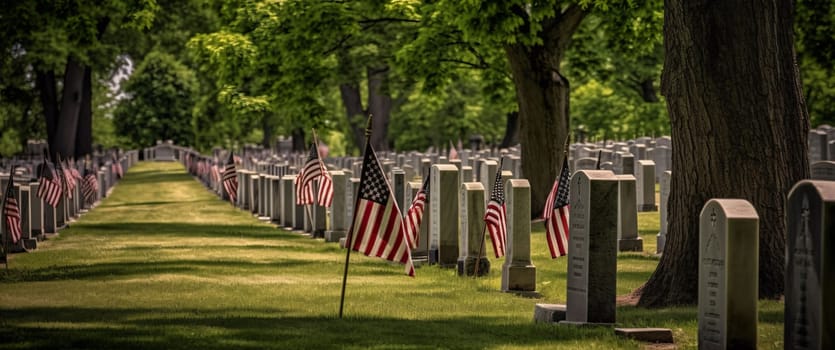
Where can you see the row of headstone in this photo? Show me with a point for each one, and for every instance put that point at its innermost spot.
(728, 271)
(39, 220)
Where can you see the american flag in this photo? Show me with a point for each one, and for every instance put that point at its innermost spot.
(11, 212)
(215, 173)
(377, 228)
(90, 186)
(415, 214)
(556, 214)
(496, 216)
(453, 153)
(63, 178)
(70, 178)
(50, 187)
(314, 169)
(116, 167)
(230, 179)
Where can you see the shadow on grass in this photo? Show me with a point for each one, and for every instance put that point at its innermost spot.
(164, 328)
(155, 177)
(175, 229)
(107, 271)
(133, 204)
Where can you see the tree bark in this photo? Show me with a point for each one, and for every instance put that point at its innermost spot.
(64, 142)
(379, 105)
(511, 131)
(542, 95)
(739, 126)
(298, 139)
(45, 83)
(84, 132)
(354, 113)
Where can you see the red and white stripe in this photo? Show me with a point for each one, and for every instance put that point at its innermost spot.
(325, 195)
(496, 219)
(377, 231)
(12, 213)
(556, 229)
(414, 217)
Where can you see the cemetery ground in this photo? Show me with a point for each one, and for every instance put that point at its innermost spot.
(162, 263)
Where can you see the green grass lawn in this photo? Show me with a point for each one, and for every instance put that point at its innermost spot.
(162, 263)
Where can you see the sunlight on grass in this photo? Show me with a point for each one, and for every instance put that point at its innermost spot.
(162, 263)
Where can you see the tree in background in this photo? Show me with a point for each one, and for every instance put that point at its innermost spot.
(734, 98)
(56, 46)
(815, 30)
(159, 102)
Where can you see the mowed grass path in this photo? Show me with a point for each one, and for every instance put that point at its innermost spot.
(162, 263)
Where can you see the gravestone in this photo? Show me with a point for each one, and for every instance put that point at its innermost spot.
(585, 164)
(253, 192)
(823, 170)
(818, 147)
(23, 201)
(443, 206)
(164, 152)
(628, 239)
(275, 201)
(661, 238)
(518, 271)
(663, 157)
(36, 210)
(488, 175)
(288, 200)
(728, 270)
(810, 267)
(471, 243)
(320, 214)
(645, 175)
(338, 223)
(466, 174)
(592, 253)
(398, 186)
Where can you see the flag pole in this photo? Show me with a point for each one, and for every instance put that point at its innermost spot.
(5, 224)
(348, 240)
(599, 153)
(484, 230)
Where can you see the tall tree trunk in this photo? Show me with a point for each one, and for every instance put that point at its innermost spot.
(269, 134)
(65, 131)
(542, 96)
(739, 126)
(511, 130)
(84, 132)
(298, 139)
(354, 112)
(379, 105)
(647, 90)
(45, 83)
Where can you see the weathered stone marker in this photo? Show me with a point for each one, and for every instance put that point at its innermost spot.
(628, 239)
(288, 200)
(728, 265)
(592, 257)
(823, 170)
(810, 267)
(518, 272)
(338, 219)
(470, 243)
(443, 206)
(645, 174)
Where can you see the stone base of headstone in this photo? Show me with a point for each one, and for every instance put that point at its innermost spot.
(647, 207)
(342, 242)
(649, 335)
(433, 256)
(264, 218)
(318, 234)
(631, 245)
(334, 236)
(420, 260)
(585, 324)
(29, 243)
(549, 313)
(468, 265)
(518, 278)
(660, 240)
